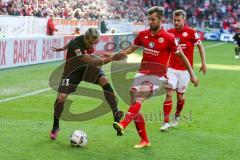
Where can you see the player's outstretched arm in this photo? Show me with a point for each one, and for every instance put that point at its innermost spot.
(99, 62)
(194, 79)
(129, 50)
(56, 49)
(203, 68)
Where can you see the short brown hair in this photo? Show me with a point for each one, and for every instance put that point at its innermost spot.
(159, 10)
(180, 13)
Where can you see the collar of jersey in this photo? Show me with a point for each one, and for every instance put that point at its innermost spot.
(183, 29)
(158, 33)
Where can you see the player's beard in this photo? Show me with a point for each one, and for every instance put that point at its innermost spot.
(154, 28)
(179, 26)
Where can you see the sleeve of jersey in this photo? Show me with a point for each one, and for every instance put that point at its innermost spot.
(174, 46)
(137, 41)
(195, 38)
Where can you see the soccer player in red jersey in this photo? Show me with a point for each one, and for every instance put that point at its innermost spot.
(158, 45)
(178, 76)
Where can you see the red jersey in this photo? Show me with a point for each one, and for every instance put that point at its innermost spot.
(157, 50)
(50, 27)
(186, 38)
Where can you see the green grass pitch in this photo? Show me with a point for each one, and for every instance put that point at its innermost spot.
(209, 130)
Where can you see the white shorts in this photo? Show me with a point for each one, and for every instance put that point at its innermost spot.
(178, 80)
(156, 83)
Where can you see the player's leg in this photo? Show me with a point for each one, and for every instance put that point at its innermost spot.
(167, 108)
(110, 97)
(139, 96)
(67, 86)
(140, 126)
(139, 92)
(180, 103)
(170, 86)
(184, 79)
(237, 50)
(58, 109)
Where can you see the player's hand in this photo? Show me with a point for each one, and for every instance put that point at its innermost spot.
(55, 49)
(118, 57)
(105, 55)
(203, 69)
(123, 52)
(195, 81)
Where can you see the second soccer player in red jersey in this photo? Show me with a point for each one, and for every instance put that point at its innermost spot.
(178, 76)
(158, 45)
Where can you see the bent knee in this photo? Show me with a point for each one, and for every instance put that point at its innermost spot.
(103, 81)
(180, 96)
(61, 97)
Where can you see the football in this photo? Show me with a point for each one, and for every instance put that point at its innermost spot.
(78, 138)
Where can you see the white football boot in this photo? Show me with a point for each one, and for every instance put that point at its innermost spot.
(175, 122)
(165, 126)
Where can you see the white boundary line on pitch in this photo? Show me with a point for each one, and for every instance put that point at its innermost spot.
(24, 95)
(47, 89)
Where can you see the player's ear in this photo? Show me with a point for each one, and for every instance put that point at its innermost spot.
(161, 18)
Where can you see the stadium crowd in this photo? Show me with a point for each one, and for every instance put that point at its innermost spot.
(199, 12)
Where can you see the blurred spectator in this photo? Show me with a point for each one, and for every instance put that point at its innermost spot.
(103, 26)
(50, 26)
(200, 13)
(76, 31)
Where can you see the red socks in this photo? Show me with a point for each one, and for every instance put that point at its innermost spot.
(179, 107)
(140, 126)
(131, 114)
(167, 107)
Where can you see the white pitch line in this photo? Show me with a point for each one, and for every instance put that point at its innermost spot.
(215, 45)
(134, 58)
(221, 67)
(24, 95)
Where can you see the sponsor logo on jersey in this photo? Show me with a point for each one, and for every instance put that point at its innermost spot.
(196, 35)
(185, 34)
(160, 40)
(78, 52)
(151, 45)
(178, 39)
(176, 42)
(151, 51)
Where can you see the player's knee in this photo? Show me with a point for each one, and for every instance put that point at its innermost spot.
(169, 94)
(132, 94)
(61, 97)
(180, 96)
(144, 88)
(103, 81)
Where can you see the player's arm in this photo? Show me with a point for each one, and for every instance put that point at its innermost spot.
(129, 49)
(203, 68)
(194, 79)
(134, 46)
(99, 62)
(56, 49)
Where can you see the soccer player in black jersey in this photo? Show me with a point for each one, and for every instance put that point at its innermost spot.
(81, 66)
(237, 43)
